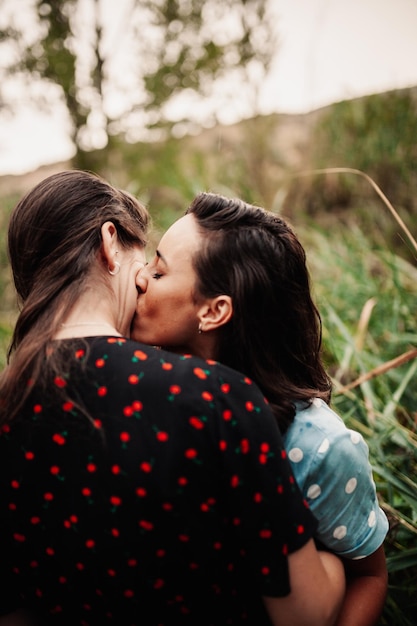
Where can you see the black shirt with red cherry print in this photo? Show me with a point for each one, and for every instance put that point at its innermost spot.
(139, 487)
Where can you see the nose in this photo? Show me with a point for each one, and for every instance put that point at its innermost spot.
(142, 279)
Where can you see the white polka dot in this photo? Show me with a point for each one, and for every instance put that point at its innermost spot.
(340, 532)
(317, 402)
(355, 437)
(313, 491)
(351, 485)
(372, 519)
(324, 446)
(295, 455)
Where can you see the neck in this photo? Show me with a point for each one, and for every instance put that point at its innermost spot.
(79, 329)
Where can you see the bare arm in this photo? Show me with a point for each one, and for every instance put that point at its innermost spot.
(366, 588)
(317, 589)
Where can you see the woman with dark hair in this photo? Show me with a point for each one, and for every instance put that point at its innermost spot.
(125, 496)
(229, 282)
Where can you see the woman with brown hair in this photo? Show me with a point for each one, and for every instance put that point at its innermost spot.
(229, 282)
(133, 484)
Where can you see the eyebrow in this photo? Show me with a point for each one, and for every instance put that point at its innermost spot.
(161, 256)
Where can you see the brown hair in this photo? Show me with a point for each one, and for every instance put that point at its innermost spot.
(274, 335)
(53, 241)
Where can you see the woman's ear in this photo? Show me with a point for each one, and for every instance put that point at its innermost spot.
(109, 244)
(215, 312)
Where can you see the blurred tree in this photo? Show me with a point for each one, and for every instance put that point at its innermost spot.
(138, 68)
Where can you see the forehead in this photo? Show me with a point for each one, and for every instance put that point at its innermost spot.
(181, 240)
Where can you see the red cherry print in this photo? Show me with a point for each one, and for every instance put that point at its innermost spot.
(37, 408)
(247, 381)
(225, 387)
(54, 470)
(145, 524)
(182, 480)
(137, 405)
(128, 411)
(234, 481)
(100, 363)
(29, 456)
(115, 470)
(115, 500)
(68, 406)
(206, 395)
(162, 436)
(257, 497)
(158, 584)
(300, 529)
(86, 491)
(90, 543)
(223, 445)
(141, 492)
(124, 437)
(91, 467)
(265, 533)
(133, 379)
(191, 453)
(60, 382)
(265, 571)
(18, 537)
(244, 446)
(48, 496)
(15, 484)
(249, 406)
(167, 366)
(196, 422)
(79, 353)
(200, 373)
(146, 467)
(59, 439)
(175, 389)
(227, 415)
(102, 391)
(139, 354)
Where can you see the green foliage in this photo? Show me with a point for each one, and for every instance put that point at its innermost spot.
(368, 297)
(169, 52)
(365, 286)
(374, 134)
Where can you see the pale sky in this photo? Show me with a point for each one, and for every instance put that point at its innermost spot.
(330, 50)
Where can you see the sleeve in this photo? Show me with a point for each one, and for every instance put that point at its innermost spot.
(336, 479)
(265, 503)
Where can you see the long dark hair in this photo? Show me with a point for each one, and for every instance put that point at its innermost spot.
(54, 238)
(274, 335)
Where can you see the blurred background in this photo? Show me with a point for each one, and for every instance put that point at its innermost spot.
(305, 107)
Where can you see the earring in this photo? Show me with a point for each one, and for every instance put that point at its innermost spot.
(200, 328)
(116, 269)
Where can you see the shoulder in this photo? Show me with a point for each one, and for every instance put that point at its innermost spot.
(318, 430)
(180, 379)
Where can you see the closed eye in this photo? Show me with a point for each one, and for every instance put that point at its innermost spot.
(156, 276)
